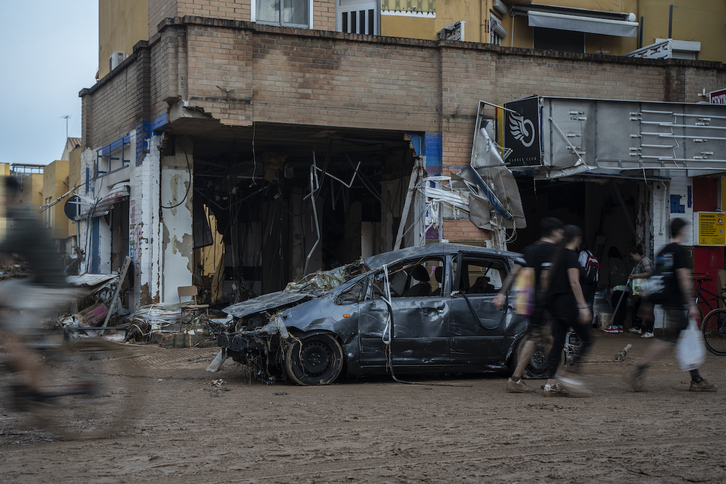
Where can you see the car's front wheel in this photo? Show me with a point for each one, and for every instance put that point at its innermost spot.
(314, 360)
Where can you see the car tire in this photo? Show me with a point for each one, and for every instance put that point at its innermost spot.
(537, 367)
(314, 360)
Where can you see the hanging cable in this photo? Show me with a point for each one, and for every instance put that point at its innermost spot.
(189, 170)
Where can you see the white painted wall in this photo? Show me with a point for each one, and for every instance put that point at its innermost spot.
(144, 225)
(662, 217)
(176, 223)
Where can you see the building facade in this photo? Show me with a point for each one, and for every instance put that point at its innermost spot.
(221, 119)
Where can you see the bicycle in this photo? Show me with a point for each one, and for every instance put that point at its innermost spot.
(698, 295)
(85, 394)
(713, 327)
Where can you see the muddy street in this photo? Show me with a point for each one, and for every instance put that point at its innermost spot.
(189, 430)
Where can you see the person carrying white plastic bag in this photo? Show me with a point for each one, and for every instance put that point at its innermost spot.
(673, 268)
(690, 350)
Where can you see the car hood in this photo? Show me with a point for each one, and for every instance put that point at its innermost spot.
(312, 286)
(265, 303)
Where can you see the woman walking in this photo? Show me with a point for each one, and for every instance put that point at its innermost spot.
(643, 318)
(569, 310)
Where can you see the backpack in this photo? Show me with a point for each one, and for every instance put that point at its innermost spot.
(655, 288)
(592, 269)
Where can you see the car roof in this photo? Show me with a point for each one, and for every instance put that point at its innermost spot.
(432, 249)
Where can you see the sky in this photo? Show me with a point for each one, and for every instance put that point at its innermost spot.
(48, 53)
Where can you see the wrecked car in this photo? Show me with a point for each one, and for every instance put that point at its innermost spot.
(419, 310)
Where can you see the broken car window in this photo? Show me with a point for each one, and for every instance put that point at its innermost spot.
(481, 276)
(354, 294)
(417, 278)
(320, 282)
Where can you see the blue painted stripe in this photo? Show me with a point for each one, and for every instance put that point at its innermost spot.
(160, 123)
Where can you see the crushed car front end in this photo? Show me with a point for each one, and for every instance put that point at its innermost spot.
(265, 331)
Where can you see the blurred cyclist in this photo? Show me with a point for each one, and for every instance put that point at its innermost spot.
(30, 300)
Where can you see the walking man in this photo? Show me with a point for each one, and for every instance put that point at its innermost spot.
(672, 263)
(537, 256)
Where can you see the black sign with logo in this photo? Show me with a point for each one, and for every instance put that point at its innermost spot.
(522, 132)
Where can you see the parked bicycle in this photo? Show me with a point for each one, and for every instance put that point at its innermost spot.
(699, 296)
(713, 325)
(85, 391)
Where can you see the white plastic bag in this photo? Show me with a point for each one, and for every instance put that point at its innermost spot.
(690, 351)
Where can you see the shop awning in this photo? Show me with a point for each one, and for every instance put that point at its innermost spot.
(578, 23)
(118, 194)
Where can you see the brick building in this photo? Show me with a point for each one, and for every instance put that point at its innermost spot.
(219, 121)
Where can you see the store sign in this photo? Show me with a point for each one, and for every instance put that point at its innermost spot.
(717, 97)
(711, 228)
(522, 132)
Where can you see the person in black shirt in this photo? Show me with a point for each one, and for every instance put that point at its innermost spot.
(672, 263)
(569, 309)
(538, 257)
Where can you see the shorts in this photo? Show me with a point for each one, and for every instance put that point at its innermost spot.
(676, 320)
(538, 331)
(30, 304)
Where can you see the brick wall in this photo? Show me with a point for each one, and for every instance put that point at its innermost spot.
(110, 110)
(333, 79)
(323, 11)
(464, 231)
(324, 15)
(224, 9)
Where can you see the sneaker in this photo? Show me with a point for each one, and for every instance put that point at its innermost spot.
(518, 386)
(611, 329)
(636, 330)
(702, 386)
(575, 387)
(555, 391)
(620, 329)
(635, 378)
(647, 335)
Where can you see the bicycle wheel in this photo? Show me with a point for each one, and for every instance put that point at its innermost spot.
(92, 388)
(713, 328)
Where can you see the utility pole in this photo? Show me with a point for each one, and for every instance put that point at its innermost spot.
(66, 117)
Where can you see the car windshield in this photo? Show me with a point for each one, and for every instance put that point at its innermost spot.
(320, 282)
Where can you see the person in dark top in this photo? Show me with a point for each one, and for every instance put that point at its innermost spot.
(33, 299)
(672, 264)
(536, 256)
(569, 309)
(589, 287)
(643, 318)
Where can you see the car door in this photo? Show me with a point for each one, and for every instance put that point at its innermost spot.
(477, 327)
(420, 314)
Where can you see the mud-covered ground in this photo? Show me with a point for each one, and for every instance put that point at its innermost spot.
(377, 430)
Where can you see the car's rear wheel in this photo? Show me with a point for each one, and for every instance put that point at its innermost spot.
(314, 360)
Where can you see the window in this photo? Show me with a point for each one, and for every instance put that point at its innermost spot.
(418, 278)
(358, 17)
(288, 13)
(49, 212)
(482, 276)
(560, 40)
(352, 295)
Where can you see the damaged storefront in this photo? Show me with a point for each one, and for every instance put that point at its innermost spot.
(620, 170)
(241, 211)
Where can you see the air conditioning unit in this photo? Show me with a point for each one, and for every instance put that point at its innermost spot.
(116, 59)
(499, 7)
(496, 27)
